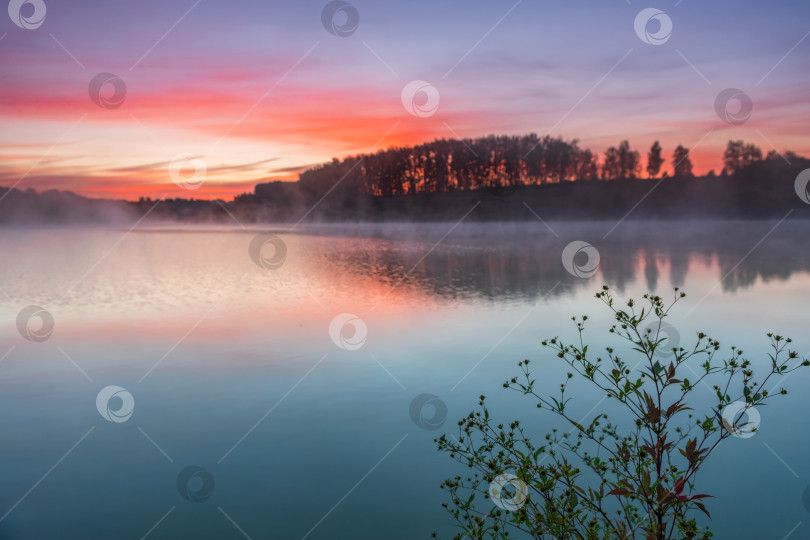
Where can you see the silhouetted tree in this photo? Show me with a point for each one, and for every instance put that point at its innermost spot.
(587, 166)
(787, 156)
(629, 161)
(681, 164)
(611, 166)
(739, 155)
(654, 160)
(621, 162)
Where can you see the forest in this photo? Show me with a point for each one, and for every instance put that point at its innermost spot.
(506, 161)
(504, 178)
(557, 179)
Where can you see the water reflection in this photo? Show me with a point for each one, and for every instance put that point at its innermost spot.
(172, 271)
(207, 343)
(509, 261)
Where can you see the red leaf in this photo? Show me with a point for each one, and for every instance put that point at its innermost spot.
(700, 505)
(700, 497)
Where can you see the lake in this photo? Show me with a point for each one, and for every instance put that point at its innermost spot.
(191, 386)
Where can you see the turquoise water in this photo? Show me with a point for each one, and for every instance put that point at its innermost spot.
(231, 369)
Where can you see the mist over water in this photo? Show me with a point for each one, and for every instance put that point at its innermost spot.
(232, 368)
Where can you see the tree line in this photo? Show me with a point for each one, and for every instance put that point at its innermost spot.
(446, 165)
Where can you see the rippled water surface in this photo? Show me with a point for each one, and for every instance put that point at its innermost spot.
(232, 370)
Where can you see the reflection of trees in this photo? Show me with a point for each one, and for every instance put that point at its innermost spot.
(679, 266)
(650, 270)
(522, 263)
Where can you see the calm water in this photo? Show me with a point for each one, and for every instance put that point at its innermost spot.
(232, 369)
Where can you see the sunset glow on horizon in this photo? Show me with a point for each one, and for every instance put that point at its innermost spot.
(282, 94)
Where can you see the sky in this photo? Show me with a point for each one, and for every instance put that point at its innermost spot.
(213, 97)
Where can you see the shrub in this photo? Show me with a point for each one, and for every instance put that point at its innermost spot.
(632, 478)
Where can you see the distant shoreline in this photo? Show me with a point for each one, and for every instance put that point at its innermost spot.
(764, 191)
